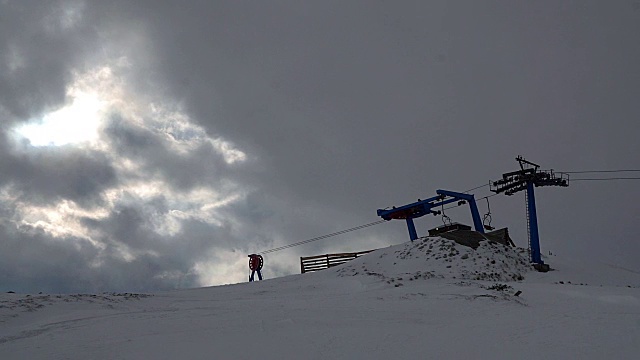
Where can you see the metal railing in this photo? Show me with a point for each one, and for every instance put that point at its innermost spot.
(321, 262)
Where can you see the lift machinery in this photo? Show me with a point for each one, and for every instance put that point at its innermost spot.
(526, 178)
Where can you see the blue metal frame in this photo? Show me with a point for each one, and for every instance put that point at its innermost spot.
(470, 199)
(413, 234)
(534, 237)
(424, 207)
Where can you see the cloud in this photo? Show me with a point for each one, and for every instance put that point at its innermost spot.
(133, 202)
(219, 129)
(39, 45)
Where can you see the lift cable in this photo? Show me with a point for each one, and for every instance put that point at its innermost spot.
(606, 179)
(477, 187)
(598, 171)
(478, 199)
(322, 237)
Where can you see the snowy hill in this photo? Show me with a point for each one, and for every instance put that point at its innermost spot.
(432, 298)
(441, 258)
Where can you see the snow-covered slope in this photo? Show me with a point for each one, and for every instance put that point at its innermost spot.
(429, 299)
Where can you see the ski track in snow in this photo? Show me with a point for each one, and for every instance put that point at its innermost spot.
(432, 298)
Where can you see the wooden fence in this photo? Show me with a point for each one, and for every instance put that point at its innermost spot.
(320, 262)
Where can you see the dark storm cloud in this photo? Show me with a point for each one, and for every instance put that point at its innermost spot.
(38, 50)
(343, 108)
(329, 94)
(157, 254)
(47, 174)
(199, 167)
(31, 261)
(361, 105)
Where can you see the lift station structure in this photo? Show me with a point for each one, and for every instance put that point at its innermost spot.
(423, 207)
(526, 178)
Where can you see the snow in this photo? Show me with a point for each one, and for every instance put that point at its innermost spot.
(429, 299)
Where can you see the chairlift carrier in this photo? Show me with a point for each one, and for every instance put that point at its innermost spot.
(423, 207)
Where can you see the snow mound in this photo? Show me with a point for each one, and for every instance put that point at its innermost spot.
(436, 257)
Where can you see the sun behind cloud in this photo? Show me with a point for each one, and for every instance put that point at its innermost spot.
(90, 98)
(74, 123)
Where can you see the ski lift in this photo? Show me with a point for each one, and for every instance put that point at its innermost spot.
(423, 207)
(446, 221)
(486, 219)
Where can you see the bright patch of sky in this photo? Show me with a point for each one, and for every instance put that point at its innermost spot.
(89, 99)
(74, 123)
(97, 94)
(211, 273)
(184, 136)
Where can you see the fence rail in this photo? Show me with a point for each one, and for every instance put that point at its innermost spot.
(321, 262)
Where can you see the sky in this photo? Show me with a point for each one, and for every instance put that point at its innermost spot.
(152, 145)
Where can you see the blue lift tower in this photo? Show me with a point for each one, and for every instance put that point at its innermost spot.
(423, 207)
(526, 178)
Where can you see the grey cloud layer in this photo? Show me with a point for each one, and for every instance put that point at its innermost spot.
(342, 107)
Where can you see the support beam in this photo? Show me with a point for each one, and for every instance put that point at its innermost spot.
(413, 234)
(533, 225)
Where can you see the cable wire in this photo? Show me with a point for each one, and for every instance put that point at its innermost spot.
(606, 179)
(598, 171)
(477, 187)
(322, 237)
(478, 199)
